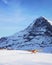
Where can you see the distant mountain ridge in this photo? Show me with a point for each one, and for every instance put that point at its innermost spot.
(38, 35)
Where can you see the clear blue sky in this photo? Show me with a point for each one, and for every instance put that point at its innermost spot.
(15, 15)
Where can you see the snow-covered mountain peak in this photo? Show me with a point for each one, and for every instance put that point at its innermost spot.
(38, 36)
(40, 24)
(41, 17)
(41, 21)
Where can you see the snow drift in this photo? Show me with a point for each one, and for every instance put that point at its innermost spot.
(24, 58)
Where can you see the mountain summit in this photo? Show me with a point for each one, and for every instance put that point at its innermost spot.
(40, 26)
(37, 36)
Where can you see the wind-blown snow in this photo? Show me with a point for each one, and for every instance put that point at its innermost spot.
(24, 58)
(50, 22)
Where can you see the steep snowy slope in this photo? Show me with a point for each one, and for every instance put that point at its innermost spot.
(38, 35)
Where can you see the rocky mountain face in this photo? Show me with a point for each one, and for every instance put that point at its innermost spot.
(37, 36)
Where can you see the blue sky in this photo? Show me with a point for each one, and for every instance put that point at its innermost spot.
(16, 15)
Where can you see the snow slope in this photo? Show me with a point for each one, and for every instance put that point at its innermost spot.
(38, 35)
(24, 58)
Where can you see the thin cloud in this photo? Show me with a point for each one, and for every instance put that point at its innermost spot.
(5, 1)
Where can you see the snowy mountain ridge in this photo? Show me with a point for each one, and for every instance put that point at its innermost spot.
(38, 35)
